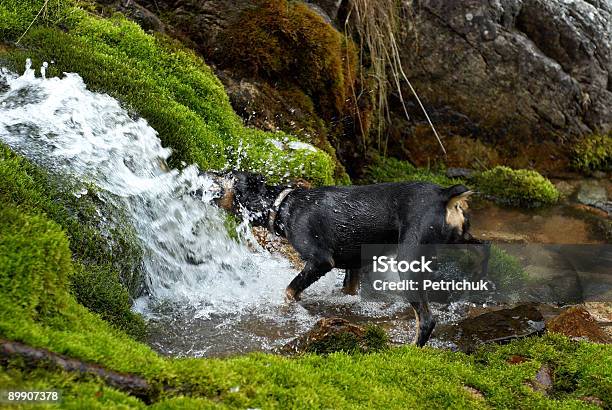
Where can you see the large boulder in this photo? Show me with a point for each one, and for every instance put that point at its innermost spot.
(507, 71)
(513, 68)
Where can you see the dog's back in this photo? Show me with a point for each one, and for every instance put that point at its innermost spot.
(342, 219)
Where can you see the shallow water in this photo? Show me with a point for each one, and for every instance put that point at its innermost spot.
(207, 295)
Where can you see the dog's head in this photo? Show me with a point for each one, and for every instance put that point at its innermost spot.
(244, 190)
(456, 205)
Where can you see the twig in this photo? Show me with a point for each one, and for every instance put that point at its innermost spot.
(44, 7)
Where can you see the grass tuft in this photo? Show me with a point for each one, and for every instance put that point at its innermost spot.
(593, 153)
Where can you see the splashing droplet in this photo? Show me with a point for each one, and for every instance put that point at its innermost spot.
(43, 69)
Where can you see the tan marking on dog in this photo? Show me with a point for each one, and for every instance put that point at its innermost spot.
(227, 200)
(454, 210)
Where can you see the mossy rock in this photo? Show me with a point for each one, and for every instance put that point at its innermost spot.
(99, 289)
(288, 41)
(593, 153)
(35, 262)
(517, 187)
(331, 335)
(33, 190)
(170, 87)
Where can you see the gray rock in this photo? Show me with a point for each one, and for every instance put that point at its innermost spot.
(459, 173)
(592, 193)
(511, 68)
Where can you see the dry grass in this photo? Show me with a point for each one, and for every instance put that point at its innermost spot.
(377, 25)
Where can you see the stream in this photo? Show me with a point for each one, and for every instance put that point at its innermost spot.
(207, 294)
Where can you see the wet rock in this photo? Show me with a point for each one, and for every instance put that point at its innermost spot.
(565, 188)
(499, 326)
(591, 192)
(543, 381)
(459, 173)
(577, 322)
(335, 334)
(531, 67)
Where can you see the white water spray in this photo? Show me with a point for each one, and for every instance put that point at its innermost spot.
(189, 257)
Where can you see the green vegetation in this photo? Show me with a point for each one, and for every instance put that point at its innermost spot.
(508, 186)
(593, 153)
(99, 289)
(170, 87)
(393, 170)
(110, 264)
(287, 40)
(373, 339)
(505, 270)
(519, 187)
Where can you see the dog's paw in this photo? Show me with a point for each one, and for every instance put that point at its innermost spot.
(291, 296)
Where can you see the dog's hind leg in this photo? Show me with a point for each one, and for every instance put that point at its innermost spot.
(424, 321)
(313, 270)
(408, 250)
(350, 286)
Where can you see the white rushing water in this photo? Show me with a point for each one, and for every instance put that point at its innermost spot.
(207, 293)
(189, 255)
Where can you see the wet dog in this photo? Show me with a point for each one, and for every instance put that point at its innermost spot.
(328, 225)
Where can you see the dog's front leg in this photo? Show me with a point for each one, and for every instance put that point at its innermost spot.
(313, 270)
(350, 286)
(408, 249)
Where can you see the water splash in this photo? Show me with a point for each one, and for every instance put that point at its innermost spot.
(43, 70)
(207, 293)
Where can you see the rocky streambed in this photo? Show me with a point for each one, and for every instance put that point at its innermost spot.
(461, 325)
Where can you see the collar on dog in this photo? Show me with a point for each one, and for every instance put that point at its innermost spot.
(274, 211)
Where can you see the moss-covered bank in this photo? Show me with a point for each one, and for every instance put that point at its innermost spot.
(163, 82)
(107, 266)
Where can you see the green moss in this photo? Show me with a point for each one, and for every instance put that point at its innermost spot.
(517, 187)
(170, 87)
(98, 289)
(35, 262)
(394, 170)
(505, 270)
(593, 153)
(35, 191)
(96, 283)
(287, 40)
(375, 338)
(17, 15)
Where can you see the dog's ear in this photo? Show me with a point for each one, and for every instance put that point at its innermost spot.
(457, 194)
(459, 200)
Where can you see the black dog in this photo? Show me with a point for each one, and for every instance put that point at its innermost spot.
(328, 225)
